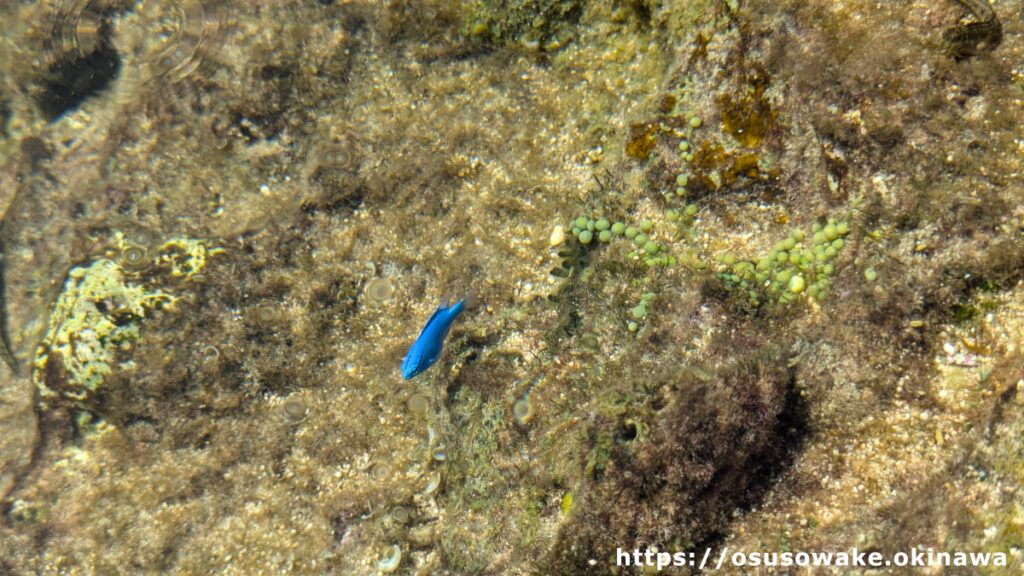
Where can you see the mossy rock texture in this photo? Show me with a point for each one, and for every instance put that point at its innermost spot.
(713, 443)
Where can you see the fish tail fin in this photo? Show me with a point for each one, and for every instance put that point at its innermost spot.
(468, 300)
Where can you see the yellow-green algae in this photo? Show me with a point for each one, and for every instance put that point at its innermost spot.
(84, 328)
(99, 312)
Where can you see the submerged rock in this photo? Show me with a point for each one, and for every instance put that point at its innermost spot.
(19, 433)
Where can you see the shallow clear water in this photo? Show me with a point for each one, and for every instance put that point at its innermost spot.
(745, 277)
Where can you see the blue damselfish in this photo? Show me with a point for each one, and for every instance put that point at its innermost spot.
(427, 347)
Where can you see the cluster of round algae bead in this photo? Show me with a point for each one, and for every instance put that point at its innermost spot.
(682, 179)
(795, 265)
(603, 227)
(685, 153)
(586, 230)
(639, 312)
(684, 217)
(602, 230)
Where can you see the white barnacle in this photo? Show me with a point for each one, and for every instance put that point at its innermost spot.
(379, 290)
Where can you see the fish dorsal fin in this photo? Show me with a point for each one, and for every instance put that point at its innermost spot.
(440, 310)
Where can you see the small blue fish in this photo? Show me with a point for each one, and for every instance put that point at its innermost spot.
(427, 347)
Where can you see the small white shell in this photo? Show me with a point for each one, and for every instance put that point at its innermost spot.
(432, 484)
(390, 559)
(557, 236)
